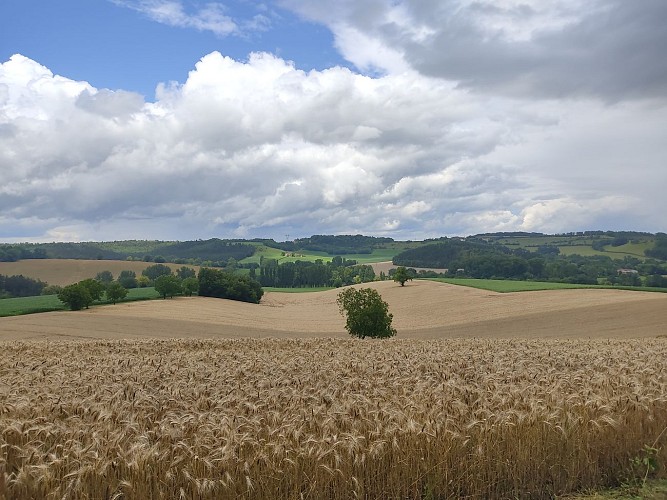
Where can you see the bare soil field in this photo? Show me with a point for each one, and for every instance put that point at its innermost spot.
(67, 271)
(421, 309)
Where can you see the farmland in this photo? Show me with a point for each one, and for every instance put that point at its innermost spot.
(327, 418)
(482, 394)
(45, 303)
(531, 286)
(422, 310)
(67, 271)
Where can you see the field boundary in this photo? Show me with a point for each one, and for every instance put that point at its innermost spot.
(511, 286)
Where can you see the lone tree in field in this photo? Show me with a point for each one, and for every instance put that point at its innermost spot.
(401, 275)
(367, 314)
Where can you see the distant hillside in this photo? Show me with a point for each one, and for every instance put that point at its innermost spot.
(332, 244)
(614, 244)
(542, 258)
(194, 252)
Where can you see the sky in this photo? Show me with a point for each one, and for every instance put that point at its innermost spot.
(184, 119)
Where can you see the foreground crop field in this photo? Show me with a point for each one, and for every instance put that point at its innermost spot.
(327, 418)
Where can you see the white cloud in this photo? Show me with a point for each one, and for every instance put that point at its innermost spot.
(211, 17)
(259, 148)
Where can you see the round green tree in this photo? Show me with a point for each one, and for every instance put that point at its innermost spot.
(367, 315)
(168, 285)
(190, 286)
(116, 292)
(401, 275)
(76, 297)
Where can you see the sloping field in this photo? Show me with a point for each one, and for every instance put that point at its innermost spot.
(421, 309)
(67, 271)
(386, 266)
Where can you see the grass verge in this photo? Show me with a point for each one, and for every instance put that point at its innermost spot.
(651, 490)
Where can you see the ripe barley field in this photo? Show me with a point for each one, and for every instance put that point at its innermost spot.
(328, 418)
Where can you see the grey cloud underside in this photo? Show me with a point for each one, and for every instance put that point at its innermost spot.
(609, 49)
(614, 55)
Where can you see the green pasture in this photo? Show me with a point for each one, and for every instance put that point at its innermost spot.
(378, 255)
(506, 286)
(45, 303)
(629, 249)
(277, 254)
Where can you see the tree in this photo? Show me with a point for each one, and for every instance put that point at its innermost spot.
(190, 285)
(143, 281)
(76, 297)
(104, 277)
(224, 285)
(94, 287)
(128, 279)
(401, 275)
(168, 285)
(116, 292)
(367, 315)
(52, 290)
(185, 272)
(155, 271)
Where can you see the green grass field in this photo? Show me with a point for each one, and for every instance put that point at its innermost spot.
(45, 303)
(506, 286)
(378, 255)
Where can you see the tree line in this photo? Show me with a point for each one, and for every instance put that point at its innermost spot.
(300, 274)
(479, 259)
(19, 286)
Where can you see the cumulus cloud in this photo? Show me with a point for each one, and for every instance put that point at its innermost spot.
(259, 148)
(606, 49)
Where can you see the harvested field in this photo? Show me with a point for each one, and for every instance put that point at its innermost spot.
(421, 309)
(386, 266)
(67, 271)
(328, 418)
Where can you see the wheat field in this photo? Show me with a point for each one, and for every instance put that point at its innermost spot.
(327, 418)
